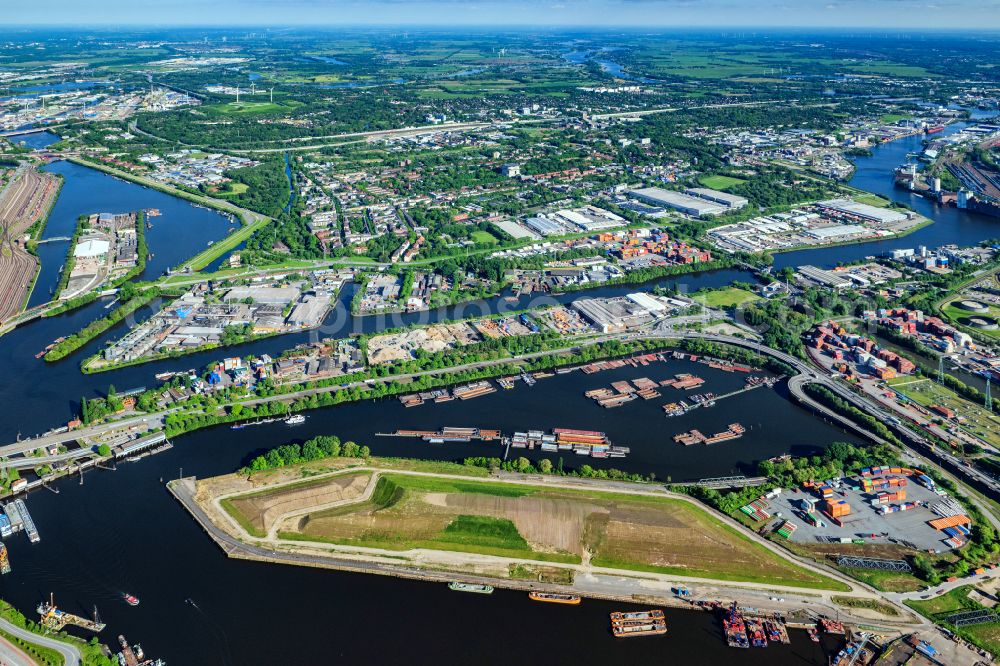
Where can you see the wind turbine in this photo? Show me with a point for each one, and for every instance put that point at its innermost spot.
(237, 94)
(253, 88)
(272, 94)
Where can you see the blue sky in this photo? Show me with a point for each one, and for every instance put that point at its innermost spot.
(980, 14)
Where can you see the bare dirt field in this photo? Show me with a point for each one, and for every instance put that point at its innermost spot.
(262, 510)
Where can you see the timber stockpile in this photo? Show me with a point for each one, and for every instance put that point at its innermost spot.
(24, 200)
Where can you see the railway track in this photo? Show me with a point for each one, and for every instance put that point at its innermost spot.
(23, 202)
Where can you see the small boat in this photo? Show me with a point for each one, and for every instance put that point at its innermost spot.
(295, 420)
(555, 598)
(470, 587)
(130, 599)
(813, 635)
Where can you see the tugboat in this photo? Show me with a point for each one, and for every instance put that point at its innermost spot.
(130, 599)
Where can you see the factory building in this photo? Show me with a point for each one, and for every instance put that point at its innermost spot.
(730, 201)
(824, 278)
(862, 212)
(685, 203)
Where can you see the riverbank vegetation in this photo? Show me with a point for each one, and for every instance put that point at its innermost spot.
(130, 297)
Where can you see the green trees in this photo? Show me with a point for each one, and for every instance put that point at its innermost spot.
(104, 450)
(323, 446)
(131, 299)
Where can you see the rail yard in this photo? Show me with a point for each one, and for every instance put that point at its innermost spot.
(24, 201)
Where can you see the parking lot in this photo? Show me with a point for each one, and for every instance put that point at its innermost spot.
(907, 528)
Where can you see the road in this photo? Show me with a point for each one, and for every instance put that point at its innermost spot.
(70, 654)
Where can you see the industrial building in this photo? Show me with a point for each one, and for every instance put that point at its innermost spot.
(616, 314)
(861, 211)
(591, 218)
(685, 203)
(544, 226)
(824, 278)
(91, 247)
(836, 231)
(730, 201)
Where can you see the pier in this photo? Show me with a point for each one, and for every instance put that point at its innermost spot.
(29, 524)
(749, 387)
(55, 619)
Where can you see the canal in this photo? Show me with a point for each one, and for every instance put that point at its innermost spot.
(182, 230)
(875, 174)
(122, 532)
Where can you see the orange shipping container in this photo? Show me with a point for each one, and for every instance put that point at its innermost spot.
(949, 521)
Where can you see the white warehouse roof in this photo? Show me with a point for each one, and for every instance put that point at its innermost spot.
(91, 248)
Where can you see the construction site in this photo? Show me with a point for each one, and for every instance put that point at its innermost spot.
(25, 200)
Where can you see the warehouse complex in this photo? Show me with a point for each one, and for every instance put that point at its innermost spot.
(695, 202)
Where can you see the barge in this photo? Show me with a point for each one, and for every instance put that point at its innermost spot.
(470, 587)
(555, 598)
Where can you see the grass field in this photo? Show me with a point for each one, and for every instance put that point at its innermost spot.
(938, 609)
(975, 419)
(879, 606)
(887, 581)
(484, 237)
(718, 182)
(871, 200)
(728, 297)
(655, 534)
(234, 189)
(243, 108)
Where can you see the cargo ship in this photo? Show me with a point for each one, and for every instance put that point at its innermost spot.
(470, 587)
(776, 631)
(474, 390)
(555, 598)
(934, 129)
(643, 629)
(638, 623)
(736, 631)
(755, 632)
(654, 615)
(4, 559)
(28, 523)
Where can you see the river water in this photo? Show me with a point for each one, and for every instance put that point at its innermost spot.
(121, 531)
(182, 230)
(875, 174)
